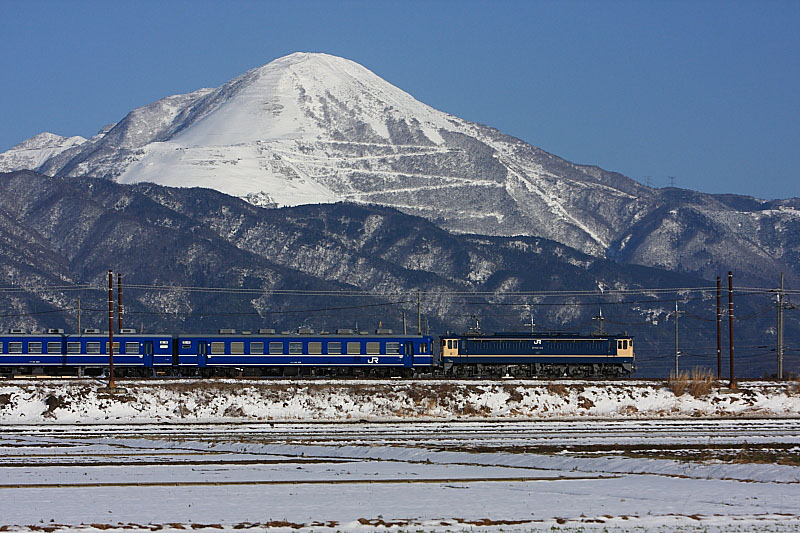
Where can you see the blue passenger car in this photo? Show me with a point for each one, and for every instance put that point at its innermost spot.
(278, 352)
(29, 351)
(90, 349)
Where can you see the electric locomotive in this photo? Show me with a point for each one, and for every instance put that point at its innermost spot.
(540, 354)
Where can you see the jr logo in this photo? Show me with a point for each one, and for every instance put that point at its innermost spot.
(372, 360)
(537, 341)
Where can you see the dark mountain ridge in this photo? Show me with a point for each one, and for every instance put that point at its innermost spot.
(227, 263)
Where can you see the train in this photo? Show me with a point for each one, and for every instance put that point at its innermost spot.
(304, 352)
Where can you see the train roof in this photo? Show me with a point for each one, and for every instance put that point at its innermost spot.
(303, 332)
(537, 335)
(304, 335)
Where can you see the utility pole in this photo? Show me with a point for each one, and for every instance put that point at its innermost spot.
(79, 314)
(677, 352)
(119, 302)
(419, 313)
(404, 324)
(730, 324)
(779, 347)
(719, 329)
(111, 384)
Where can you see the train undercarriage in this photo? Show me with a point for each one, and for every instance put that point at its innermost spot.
(449, 370)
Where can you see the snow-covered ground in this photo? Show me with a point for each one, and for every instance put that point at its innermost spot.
(441, 476)
(327, 455)
(83, 401)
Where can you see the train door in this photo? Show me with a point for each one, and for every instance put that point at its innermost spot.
(421, 354)
(408, 360)
(202, 353)
(147, 353)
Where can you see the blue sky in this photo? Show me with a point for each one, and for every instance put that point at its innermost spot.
(707, 92)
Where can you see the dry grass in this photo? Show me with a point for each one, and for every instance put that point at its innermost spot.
(678, 383)
(558, 388)
(795, 388)
(700, 382)
(5, 400)
(585, 403)
(514, 395)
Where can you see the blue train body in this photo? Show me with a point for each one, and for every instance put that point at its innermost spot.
(306, 349)
(18, 349)
(130, 349)
(270, 352)
(307, 353)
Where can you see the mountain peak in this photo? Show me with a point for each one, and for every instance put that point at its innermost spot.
(48, 140)
(314, 127)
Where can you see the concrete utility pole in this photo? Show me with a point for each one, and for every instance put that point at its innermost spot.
(111, 384)
(119, 302)
(730, 324)
(780, 329)
(419, 312)
(677, 352)
(719, 329)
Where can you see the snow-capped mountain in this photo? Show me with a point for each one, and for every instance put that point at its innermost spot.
(311, 128)
(314, 128)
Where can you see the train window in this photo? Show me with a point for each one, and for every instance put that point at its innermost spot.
(237, 348)
(455, 345)
(73, 347)
(257, 348)
(423, 347)
(53, 347)
(276, 348)
(34, 347)
(392, 348)
(449, 344)
(295, 348)
(334, 348)
(132, 348)
(373, 348)
(93, 347)
(116, 348)
(14, 347)
(353, 348)
(625, 344)
(315, 348)
(217, 348)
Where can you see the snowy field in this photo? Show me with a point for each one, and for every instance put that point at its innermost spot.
(580, 475)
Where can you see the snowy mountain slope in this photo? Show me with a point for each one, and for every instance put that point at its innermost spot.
(34, 152)
(314, 128)
(311, 128)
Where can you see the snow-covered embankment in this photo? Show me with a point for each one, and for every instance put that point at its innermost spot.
(84, 401)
